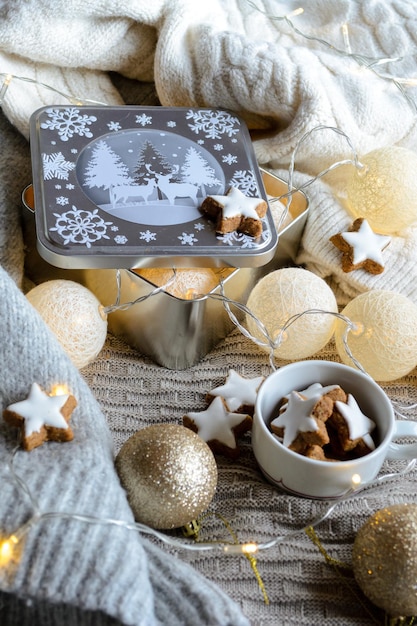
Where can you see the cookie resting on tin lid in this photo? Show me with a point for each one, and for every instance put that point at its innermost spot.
(235, 211)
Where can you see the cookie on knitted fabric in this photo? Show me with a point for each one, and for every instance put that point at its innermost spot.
(41, 417)
(361, 247)
(238, 392)
(218, 427)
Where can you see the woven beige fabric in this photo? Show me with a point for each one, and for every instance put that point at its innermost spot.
(302, 588)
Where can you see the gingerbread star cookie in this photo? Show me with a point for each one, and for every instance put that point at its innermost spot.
(361, 247)
(303, 417)
(218, 427)
(352, 425)
(323, 423)
(41, 417)
(238, 392)
(235, 211)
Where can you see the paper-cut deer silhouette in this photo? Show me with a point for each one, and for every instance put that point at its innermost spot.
(174, 190)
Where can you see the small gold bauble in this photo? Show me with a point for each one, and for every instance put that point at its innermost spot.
(384, 192)
(169, 473)
(385, 559)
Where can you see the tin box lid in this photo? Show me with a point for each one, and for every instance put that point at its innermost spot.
(121, 187)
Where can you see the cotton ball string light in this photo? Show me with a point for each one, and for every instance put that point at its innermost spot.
(287, 292)
(384, 340)
(186, 284)
(169, 473)
(384, 191)
(74, 315)
(384, 559)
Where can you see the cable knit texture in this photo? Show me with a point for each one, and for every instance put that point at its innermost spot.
(284, 76)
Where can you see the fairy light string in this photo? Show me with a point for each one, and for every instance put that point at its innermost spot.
(10, 545)
(75, 100)
(363, 61)
(193, 530)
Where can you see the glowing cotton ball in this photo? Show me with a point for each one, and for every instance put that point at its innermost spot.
(385, 191)
(287, 292)
(385, 341)
(74, 315)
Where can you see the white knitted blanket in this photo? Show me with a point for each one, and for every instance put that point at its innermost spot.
(340, 64)
(285, 76)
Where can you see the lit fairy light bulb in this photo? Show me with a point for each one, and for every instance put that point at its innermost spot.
(356, 481)
(384, 338)
(384, 190)
(8, 550)
(59, 389)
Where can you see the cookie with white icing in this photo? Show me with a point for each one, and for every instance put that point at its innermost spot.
(219, 427)
(323, 423)
(361, 247)
(238, 392)
(351, 427)
(235, 211)
(41, 417)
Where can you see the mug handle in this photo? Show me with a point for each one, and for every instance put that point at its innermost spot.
(403, 428)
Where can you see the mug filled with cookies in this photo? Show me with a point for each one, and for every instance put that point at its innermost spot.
(321, 429)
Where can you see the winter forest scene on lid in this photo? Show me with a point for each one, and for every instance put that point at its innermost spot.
(149, 177)
(132, 176)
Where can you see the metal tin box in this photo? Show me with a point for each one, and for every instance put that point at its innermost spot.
(86, 231)
(122, 187)
(176, 333)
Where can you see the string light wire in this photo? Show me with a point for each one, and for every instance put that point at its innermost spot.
(363, 61)
(7, 79)
(227, 548)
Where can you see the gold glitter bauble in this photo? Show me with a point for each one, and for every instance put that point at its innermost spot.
(169, 473)
(385, 559)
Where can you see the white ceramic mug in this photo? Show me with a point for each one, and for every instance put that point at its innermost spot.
(322, 479)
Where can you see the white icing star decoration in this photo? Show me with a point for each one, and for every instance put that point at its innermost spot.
(41, 417)
(366, 244)
(238, 391)
(297, 416)
(359, 425)
(217, 426)
(236, 203)
(361, 247)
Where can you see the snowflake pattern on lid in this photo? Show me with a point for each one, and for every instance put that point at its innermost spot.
(143, 173)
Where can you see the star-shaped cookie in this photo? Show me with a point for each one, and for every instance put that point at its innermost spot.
(297, 417)
(41, 417)
(238, 392)
(218, 427)
(357, 425)
(235, 211)
(361, 247)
